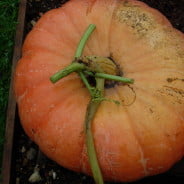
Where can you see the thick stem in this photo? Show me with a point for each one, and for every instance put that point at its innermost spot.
(114, 78)
(110, 77)
(84, 39)
(90, 114)
(74, 67)
(85, 81)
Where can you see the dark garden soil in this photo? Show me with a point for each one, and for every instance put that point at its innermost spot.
(25, 151)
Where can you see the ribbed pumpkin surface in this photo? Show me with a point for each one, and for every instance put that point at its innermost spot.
(142, 136)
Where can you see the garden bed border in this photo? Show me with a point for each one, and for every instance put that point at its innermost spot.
(11, 109)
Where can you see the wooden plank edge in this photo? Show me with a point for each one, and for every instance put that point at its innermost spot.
(10, 118)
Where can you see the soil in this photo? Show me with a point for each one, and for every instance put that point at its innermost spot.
(25, 151)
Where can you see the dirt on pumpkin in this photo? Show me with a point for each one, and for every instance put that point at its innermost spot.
(25, 151)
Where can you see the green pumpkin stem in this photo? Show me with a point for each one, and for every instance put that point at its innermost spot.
(84, 39)
(91, 110)
(96, 93)
(90, 114)
(73, 67)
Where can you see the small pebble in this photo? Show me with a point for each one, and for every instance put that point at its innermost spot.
(83, 177)
(31, 153)
(54, 175)
(35, 177)
(23, 149)
(33, 22)
(40, 14)
(50, 173)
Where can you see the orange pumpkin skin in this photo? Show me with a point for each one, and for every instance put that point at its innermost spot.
(143, 135)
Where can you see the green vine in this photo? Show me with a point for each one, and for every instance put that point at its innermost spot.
(98, 71)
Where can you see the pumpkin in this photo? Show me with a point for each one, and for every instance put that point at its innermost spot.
(143, 135)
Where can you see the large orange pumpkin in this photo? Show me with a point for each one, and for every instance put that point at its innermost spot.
(142, 136)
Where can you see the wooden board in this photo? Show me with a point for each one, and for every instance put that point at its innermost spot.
(9, 133)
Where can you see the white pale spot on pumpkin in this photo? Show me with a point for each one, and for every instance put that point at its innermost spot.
(22, 96)
(150, 169)
(32, 109)
(162, 145)
(19, 74)
(160, 167)
(52, 106)
(143, 162)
